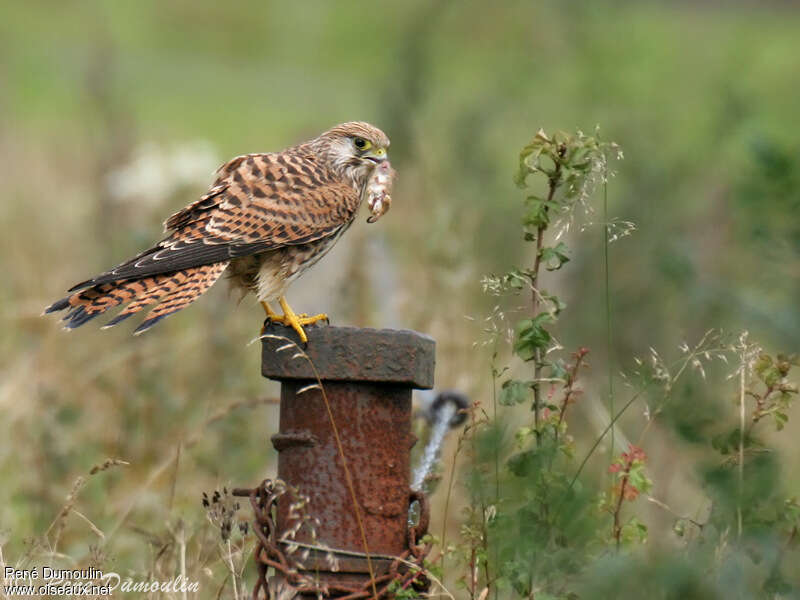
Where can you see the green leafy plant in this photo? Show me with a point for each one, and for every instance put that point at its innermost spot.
(518, 539)
(630, 481)
(539, 524)
(570, 167)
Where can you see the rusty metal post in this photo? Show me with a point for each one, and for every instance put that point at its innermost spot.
(367, 376)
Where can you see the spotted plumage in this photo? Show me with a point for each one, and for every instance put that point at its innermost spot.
(266, 219)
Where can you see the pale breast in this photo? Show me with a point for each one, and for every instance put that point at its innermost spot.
(269, 274)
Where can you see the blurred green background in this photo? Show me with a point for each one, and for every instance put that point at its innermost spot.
(115, 114)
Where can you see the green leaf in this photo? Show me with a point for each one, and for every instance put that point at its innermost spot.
(531, 335)
(638, 479)
(763, 363)
(529, 158)
(557, 304)
(554, 258)
(515, 279)
(537, 212)
(514, 392)
(634, 531)
(527, 463)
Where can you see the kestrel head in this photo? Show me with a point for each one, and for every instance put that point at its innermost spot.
(354, 149)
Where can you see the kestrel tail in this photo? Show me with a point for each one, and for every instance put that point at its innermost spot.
(266, 219)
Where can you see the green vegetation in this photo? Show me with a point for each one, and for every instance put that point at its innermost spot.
(540, 524)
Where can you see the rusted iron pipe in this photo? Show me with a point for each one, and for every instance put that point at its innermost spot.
(367, 376)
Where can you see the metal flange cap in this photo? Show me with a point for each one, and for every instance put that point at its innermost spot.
(392, 356)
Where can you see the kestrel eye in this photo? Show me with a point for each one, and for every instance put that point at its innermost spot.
(361, 143)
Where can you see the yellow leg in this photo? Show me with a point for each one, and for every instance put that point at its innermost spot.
(271, 315)
(291, 319)
(296, 321)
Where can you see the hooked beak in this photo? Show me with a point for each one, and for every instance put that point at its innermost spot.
(377, 156)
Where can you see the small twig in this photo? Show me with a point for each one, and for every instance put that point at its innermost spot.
(92, 526)
(684, 363)
(553, 183)
(222, 587)
(450, 483)
(173, 485)
(606, 268)
(232, 570)
(617, 531)
(496, 458)
(569, 390)
(600, 437)
(742, 387)
(666, 507)
(182, 543)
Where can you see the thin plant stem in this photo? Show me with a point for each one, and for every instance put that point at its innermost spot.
(450, 484)
(618, 509)
(600, 437)
(484, 534)
(497, 446)
(553, 182)
(742, 417)
(537, 359)
(183, 563)
(684, 364)
(233, 571)
(607, 232)
(496, 426)
(569, 391)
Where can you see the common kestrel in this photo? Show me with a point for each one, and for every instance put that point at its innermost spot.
(266, 219)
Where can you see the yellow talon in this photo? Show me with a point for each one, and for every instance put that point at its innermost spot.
(271, 315)
(291, 319)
